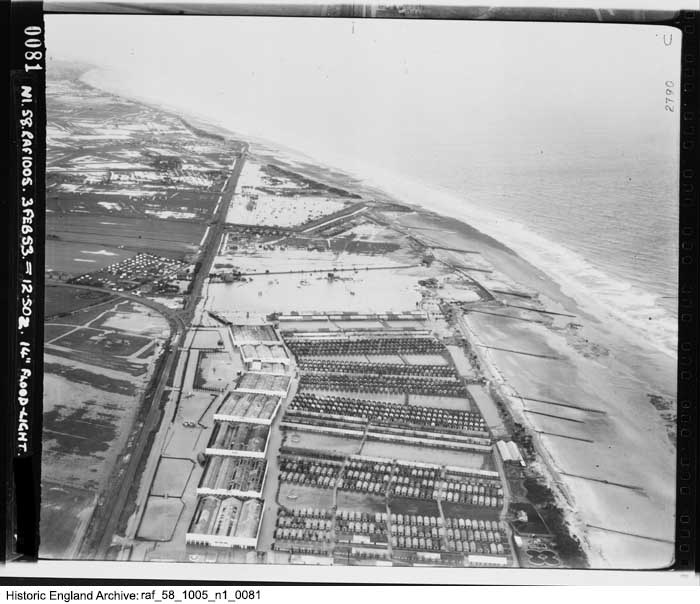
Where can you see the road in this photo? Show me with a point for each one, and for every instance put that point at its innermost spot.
(111, 505)
(213, 240)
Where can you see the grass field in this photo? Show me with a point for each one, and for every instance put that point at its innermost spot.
(94, 341)
(360, 502)
(160, 518)
(298, 497)
(135, 318)
(460, 510)
(56, 330)
(322, 442)
(64, 510)
(167, 237)
(402, 505)
(61, 300)
(84, 431)
(77, 258)
(99, 360)
(96, 380)
(171, 477)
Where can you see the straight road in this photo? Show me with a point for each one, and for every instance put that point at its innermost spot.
(213, 240)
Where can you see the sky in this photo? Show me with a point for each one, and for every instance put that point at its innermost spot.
(297, 78)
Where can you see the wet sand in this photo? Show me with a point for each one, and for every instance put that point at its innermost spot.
(627, 444)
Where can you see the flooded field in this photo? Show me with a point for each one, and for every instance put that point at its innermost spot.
(365, 291)
(306, 262)
(264, 198)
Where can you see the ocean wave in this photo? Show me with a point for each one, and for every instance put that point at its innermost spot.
(601, 295)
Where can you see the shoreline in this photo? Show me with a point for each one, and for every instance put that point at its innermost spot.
(505, 259)
(618, 301)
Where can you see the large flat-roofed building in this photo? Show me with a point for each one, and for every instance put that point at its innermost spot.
(254, 334)
(227, 522)
(264, 353)
(233, 476)
(272, 384)
(248, 407)
(239, 439)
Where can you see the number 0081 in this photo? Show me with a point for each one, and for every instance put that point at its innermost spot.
(31, 43)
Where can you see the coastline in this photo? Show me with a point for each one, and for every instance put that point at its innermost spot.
(619, 303)
(552, 294)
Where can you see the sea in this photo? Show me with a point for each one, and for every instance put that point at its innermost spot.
(556, 144)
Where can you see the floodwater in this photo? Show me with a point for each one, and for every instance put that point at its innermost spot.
(368, 291)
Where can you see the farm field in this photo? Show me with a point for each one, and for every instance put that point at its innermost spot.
(119, 235)
(56, 330)
(97, 341)
(75, 257)
(62, 300)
